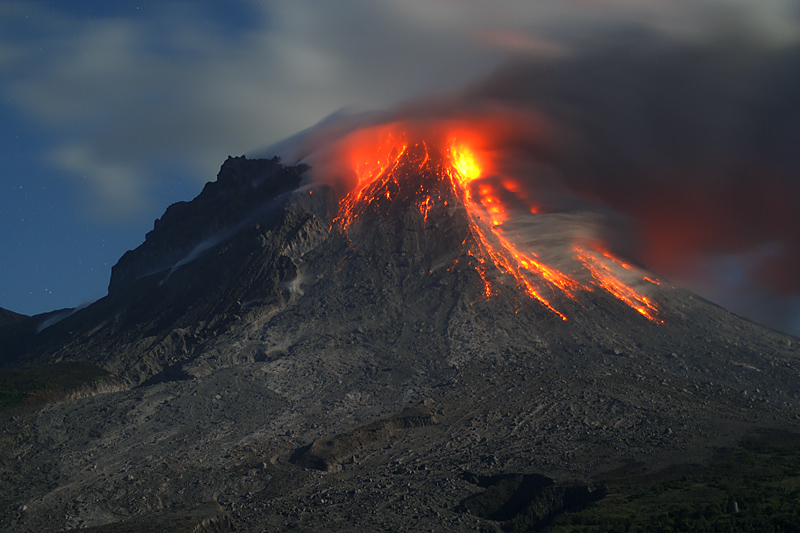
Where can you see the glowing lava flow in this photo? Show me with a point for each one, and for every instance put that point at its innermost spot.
(504, 254)
(369, 168)
(598, 265)
(379, 176)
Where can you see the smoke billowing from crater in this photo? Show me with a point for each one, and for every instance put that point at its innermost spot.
(682, 156)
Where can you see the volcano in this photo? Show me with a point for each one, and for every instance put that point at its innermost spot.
(384, 352)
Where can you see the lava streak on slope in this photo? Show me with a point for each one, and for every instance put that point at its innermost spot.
(383, 167)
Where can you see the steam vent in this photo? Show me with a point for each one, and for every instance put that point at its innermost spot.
(414, 343)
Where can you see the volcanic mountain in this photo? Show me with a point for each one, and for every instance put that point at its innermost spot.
(288, 352)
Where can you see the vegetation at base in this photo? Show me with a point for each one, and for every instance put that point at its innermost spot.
(42, 383)
(762, 477)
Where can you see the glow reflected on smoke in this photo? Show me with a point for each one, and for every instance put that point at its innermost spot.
(384, 158)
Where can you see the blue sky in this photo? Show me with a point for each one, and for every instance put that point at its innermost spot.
(111, 111)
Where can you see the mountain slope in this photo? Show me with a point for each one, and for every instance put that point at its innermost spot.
(9, 317)
(262, 339)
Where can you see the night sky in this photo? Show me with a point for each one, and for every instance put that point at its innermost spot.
(679, 119)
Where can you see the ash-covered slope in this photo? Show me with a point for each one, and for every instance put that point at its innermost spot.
(264, 344)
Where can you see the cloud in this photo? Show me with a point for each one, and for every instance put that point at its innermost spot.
(122, 101)
(124, 96)
(114, 185)
(696, 146)
(693, 143)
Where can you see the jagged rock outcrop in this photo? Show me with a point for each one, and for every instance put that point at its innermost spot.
(243, 191)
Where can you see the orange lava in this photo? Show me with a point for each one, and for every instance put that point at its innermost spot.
(375, 163)
(371, 163)
(600, 266)
(493, 246)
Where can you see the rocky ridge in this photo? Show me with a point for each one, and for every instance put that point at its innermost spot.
(242, 192)
(10, 317)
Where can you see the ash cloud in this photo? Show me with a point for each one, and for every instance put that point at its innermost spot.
(696, 145)
(122, 96)
(684, 149)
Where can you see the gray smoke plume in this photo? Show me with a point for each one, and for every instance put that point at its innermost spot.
(684, 153)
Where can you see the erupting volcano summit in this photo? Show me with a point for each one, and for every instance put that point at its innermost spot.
(404, 173)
